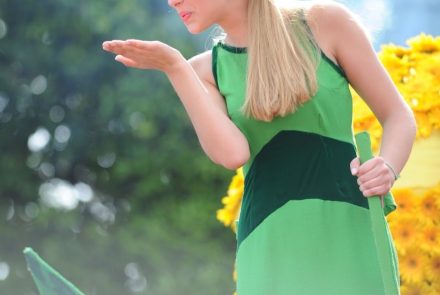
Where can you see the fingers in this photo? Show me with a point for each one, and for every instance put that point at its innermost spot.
(375, 187)
(121, 47)
(129, 53)
(117, 47)
(369, 165)
(138, 43)
(126, 61)
(354, 166)
(145, 54)
(373, 177)
(111, 45)
(368, 172)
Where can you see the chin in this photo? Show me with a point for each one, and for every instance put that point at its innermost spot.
(196, 29)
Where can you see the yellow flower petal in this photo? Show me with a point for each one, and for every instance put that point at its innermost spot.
(413, 265)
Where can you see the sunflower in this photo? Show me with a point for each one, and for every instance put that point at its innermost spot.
(434, 288)
(405, 231)
(231, 209)
(229, 213)
(430, 239)
(406, 200)
(428, 207)
(237, 181)
(436, 192)
(433, 269)
(416, 73)
(414, 289)
(425, 43)
(413, 265)
(435, 115)
(395, 60)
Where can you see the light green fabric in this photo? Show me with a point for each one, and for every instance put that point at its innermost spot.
(297, 242)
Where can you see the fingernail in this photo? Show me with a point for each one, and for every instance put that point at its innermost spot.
(353, 171)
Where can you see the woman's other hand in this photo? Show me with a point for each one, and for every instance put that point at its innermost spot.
(374, 177)
(140, 54)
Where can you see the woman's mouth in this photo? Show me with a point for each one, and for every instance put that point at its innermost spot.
(185, 16)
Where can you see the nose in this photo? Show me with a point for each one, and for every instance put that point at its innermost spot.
(174, 3)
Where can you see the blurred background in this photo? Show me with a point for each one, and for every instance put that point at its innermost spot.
(100, 170)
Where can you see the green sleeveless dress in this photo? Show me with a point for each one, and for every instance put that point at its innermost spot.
(304, 226)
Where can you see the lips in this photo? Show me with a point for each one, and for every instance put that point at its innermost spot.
(185, 15)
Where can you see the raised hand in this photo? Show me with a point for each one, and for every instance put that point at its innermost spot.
(145, 54)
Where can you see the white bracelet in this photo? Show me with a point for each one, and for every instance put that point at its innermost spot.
(396, 176)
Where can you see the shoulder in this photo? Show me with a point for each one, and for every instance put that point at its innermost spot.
(329, 14)
(202, 65)
(333, 24)
(328, 10)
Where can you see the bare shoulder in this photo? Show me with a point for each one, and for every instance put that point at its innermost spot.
(202, 65)
(331, 23)
(327, 11)
(349, 43)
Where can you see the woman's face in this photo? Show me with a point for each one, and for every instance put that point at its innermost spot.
(199, 15)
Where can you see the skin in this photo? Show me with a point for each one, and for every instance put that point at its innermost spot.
(339, 36)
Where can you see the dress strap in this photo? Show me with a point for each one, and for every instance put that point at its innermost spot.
(214, 53)
(303, 19)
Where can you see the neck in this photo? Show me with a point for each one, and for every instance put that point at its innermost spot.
(235, 26)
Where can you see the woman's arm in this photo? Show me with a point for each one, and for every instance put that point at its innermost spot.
(348, 43)
(219, 137)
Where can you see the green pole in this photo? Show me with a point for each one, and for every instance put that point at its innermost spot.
(379, 224)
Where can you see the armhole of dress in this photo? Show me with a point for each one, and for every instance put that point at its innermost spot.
(335, 66)
(214, 54)
(214, 64)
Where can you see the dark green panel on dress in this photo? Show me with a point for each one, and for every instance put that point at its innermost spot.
(297, 165)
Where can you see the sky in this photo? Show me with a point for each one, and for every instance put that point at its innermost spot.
(395, 21)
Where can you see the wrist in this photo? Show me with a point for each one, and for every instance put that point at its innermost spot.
(393, 171)
(177, 66)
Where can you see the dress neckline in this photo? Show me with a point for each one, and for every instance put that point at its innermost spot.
(231, 48)
(235, 49)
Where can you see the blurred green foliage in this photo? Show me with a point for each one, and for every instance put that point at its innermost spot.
(148, 223)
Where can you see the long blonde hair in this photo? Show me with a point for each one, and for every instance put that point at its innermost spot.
(282, 60)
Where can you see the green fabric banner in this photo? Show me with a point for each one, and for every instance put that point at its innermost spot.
(47, 279)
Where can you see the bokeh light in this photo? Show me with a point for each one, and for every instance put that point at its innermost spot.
(3, 29)
(39, 139)
(4, 270)
(60, 194)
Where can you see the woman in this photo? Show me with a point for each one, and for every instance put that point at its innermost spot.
(272, 96)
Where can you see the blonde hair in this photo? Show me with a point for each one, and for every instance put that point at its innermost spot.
(282, 60)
